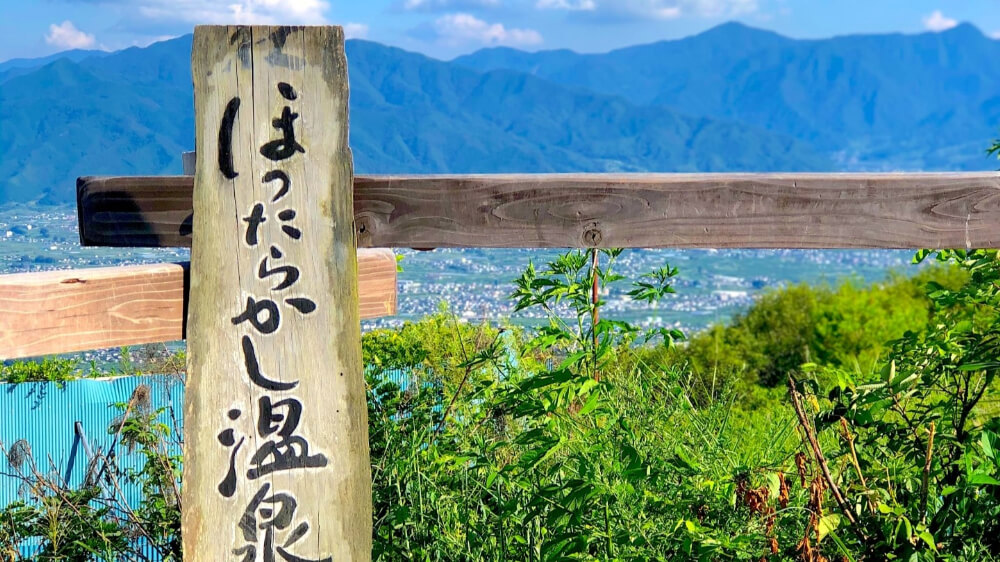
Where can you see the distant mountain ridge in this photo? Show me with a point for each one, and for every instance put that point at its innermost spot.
(72, 54)
(928, 101)
(731, 99)
(16, 67)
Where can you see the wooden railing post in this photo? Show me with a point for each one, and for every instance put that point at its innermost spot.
(276, 449)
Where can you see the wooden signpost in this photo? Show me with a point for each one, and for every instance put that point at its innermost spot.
(276, 450)
(276, 443)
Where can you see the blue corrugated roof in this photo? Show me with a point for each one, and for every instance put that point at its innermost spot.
(46, 414)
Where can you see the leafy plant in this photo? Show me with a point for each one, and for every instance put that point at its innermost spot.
(582, 440)
(49, 369)
(574, 447)
(840, 325)
(142, 429)
(919, 474)
(144, 360)
(94, 521)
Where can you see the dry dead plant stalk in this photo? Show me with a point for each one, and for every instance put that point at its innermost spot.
(782, 490)
(820, 459)
(801, 465)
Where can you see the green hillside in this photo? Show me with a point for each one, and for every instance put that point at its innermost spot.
(927, 101)
(131, 113)
(731, 99)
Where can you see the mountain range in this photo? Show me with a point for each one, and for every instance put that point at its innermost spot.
(927, 101)
(733, 98)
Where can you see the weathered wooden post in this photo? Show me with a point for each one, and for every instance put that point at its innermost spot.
(276, 452)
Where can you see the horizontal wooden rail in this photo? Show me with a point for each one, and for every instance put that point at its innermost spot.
(905, 210)
(76, 310)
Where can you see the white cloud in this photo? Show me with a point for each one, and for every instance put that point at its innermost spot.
(938, 22)
(459, 29)
(995, 34)
(721, 8)
(655, 9)
(304, 12)
(445, 5)
(67, 36)
(355, 30)
(571, 5)
(660, 10)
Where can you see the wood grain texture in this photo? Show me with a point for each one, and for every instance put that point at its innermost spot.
(82, 309)
(135, 212)
(77, 310)
(378, 293)
(905, 210)
(311, 356)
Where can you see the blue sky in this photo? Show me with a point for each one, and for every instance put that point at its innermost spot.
(446, 28)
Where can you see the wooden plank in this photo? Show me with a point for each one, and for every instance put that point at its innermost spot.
(377, 289)
(82, 309)
(276, 448)
(904, 210)
(77, 310)
(135, 212)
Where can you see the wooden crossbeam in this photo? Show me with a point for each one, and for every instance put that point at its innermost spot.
(904, 210)
(83, 309)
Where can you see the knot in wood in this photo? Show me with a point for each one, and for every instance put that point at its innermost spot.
(364, 228)
(592, 237)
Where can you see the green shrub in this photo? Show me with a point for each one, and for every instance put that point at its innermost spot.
(439, 342)
(49, 369)
(612, 450)
(598, 454)
(843, 325)
(94, 521)
(590, 438)
(919, 437)
(151, 359)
